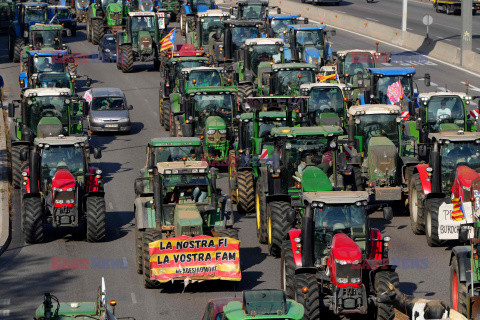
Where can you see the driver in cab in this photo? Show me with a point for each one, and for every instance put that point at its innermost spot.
(443, 112)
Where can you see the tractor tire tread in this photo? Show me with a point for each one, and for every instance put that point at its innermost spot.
(246, 192)
(96, 219)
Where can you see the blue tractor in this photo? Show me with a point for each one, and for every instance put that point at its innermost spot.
(277, 27)
(81, 7)
(62, 15)
(26, 15)
(309, 43)
(189, 10)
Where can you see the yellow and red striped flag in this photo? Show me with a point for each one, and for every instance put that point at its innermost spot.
(329, 77)
(168, 41)
(457, 212)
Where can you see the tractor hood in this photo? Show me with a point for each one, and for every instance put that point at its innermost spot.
(63, 180)
(144, 40)
(449, 127)
(114, 8)
(314, 180)
(382, 158)
(345, 249)
(466, 180)
(49, 127)
(187, 220)
(114, 14)
(82, 4)
(313, 55)
(215, 122)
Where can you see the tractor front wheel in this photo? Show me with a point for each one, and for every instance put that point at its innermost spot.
(260, 211)
(246, 192)
(149, 236)
(244, 91)
(183, 22)
(98, 31)
(96, 216)
(18, 166)
(458, 290)
(431, 223)
(383, 282)
(138, 250)
(72, 69)
(166, 115)
(89, 31)
(18, 46)
(415, 204)
(127, 59)
(33, 220)
(287, 271)
(307, 293)
(278, 213)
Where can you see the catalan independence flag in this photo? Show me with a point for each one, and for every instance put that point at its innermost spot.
(329, 77)
(457, 213)
(169, 40)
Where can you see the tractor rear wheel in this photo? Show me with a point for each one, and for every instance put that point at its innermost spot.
(431, 221)
(98, 31)
(246, 192)
(72, 69)
(458, 290)
(415, 204)
(383, 279)
(89, 31)
(244, 90)
(96, 216)
(149, 236)
(18, 166)
(191, 26)
(139, 250)
(307, 293)
(166, 115)
(18, 45)
(358, 179)
(260, 211)
(278, 225)
(287, 271)
(228, 232)
(33, 220)
(183, 22)
(119, 58)
(127, 59)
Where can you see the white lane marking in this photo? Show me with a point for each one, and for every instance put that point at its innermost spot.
(134, 299)
(125, 262)
(448, 40)
(470, 87)
(340, 11)
(433, 84)
(110, 205)
(386, 64)
(4, 302)
(372, 19)
(4, 313)
(410, 29)
(442, 89)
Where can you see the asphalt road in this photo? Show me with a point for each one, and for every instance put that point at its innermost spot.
(26, 272)
(445, 27)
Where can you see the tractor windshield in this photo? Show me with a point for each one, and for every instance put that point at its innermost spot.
(108, 104)
(61, 157)
(189, 64)
(62, 13)
(51, 106)
(53, 80)
(455, 153)
(211, 105)
(252, 11)
(310, 38)
(341, 218)
(105, 3)
(280, 25)
(325, 99)
(46, 39)
(210, 24)
(377, 125)
(48, 64)
(204, 78)
(444, 109)
(289, 81)
(142, 23)
(356, 62)
(386, 82)
(168, 154)
(261, 53)
(196, 3)
(240, 34)
(35, 14)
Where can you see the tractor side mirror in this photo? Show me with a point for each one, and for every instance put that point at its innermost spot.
(130, 107)
(305, 20)
(427, 79)
(11, 110)
(88, 83)
(279, 10)
(24, 153)
(97, 152)
(463, 232)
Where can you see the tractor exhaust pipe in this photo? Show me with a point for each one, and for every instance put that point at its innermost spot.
(34, 171)
(307, 238)
(351, 132)
(436, 170)
(157, 196)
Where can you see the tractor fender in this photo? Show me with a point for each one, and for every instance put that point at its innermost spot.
(17, 29)
(187, 8)
(422, 171)
(463, 255)
(376, 247)
(140, 211)
(23, 76)
(303, 270)
(95, 194)
(278, 197)
(297, 256)
(174, 98)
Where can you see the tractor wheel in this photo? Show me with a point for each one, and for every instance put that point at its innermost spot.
(98, 31)
(287, 271)
(415, 204)
(89, 31)
(431, 221)
(383, 280)
(139, 250)
(183, 22)
(232, 177)
(72, 69)
(358, 179)
(278, 225)
(260, 211)
(119, 58)
(246, 192)
(18, 166)
(244, 91)
(307, 293)
(33, 220)
(18, 46)
(156, 64)
(191, 24)
(149, 236)
(10, 47)
(160, 110)
(166, 115)
(127, 59)
(96, 212)
(228, 232)
(458, 290)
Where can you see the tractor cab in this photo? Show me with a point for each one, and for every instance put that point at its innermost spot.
(46, 37)
(327, 104)
(354, 64)
(62, 16)
(277, 24)
(285, 79)
(308, 43)
(250, 10)
(142, 5)
(208, 24)
(195, 6)
(200, 77)
(258, 53)
(30, 13)
(142, 31)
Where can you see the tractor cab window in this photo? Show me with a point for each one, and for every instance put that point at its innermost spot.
(108, 104)
(48, 64)
(356, 62)
(445, 110)
(189, 64)
(326, 100)
(168, 154)
(53, 80)
(377, 125)
(240, 34)
(342, 218)
(35, 14)
(185, 188)
(265, 127)
(280, 25)
(259, 53)
(204, 78)
(46, 38)
(456, 153)
(197, 3)
(384, 83)
(140, 24)
(105, 3)
(62, 13)
(252, 12)
(211, 105)
(289, 81)
(42, 107)
(210, 24)
(61, 157)
(310, 38)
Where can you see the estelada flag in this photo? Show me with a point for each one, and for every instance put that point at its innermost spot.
(457, 212)
(395, 92)
(329, 77)
(168, 41)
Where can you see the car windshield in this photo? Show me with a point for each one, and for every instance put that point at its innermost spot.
(109, 40)
(108, 104)
(35, 14)
(105, 3)
(61, 157)
(189, 64)
(443, 109)
(46, 38)
(141, 23)
(211, 105)
(280, 25)
(48, 64)
(240, 34)
(48, 106)
(385, 82)
(310, 37)
(324, 99)
(167, 154)
(377, 125)
(252, 11)
(210, 24)
(204, 78)
(356, 62)
(289, 81)
(332, 219)
(456, 153)
(259, 53)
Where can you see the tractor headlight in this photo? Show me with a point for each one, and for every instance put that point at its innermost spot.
(342, 280)
(106, 50)
(222, 131)
(341, 262)
(355, 280)
(57, 189)
(211, 131)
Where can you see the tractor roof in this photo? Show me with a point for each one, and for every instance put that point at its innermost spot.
(263, 41)
(282, 16)
(336, 197)
(454, 136)
(106, 92)
(374, 109)
(307, 27)
(252, 2)
(310, 86)
(212, 90)
(293, 66)
(46, 53)
(57, 7)
(62, 140)
(46, 92)
(292, 132)
(181, 166)
(141, 14)
(244, 23)
(175, 142)
(35, 4)
(213, 13)
(188, 70)
(342, 53)
(392, 71)
(428, 95)
(41, 26)
(277, 115)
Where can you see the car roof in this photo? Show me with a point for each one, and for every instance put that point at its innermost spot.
(107, 92)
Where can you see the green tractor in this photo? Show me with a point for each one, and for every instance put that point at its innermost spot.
(208, 24)
(181, 198)
(171, 8)
(140, 40)
(105, 16)
(43, 112)
(252, 10)
(353, 64)
(46, 37)
(285, 79)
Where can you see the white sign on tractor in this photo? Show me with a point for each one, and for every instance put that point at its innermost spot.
(447, 227)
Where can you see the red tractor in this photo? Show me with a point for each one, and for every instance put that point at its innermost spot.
(336, 264)
(61, 188)
(439, 190)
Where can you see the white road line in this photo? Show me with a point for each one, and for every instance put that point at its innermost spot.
(386, 64)
(372, 19)
(110, 205)
(410, 29)
(134, 299)
(4, 313)
(433, 84)
(448, 40)
(125, 262)
(4, 302)
(442, 89)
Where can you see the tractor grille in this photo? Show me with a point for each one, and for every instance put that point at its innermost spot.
(191, 231)
(348, 273)
(64, 197)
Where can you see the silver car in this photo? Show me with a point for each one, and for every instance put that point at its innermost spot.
(108, 111)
